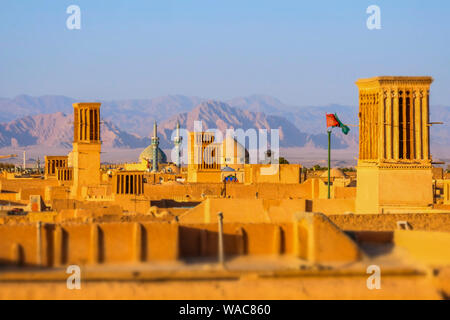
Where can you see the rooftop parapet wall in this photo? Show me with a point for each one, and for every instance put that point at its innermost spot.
(320, 240)
(201, 239)
(15, 185)
(235, 191)
(284, 173)
(308, 236)
(84, 244)
(262, 210)
(427, 247)
(188, 192)
(244, 211)
(388, 222)
(111, 243)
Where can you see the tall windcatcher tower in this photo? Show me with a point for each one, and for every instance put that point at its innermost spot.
(155, 144)
(86, 146)
(394, 164)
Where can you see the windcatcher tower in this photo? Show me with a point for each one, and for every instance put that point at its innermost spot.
(86, 147)
(394, 165)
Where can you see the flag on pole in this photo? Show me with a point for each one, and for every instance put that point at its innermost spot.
(333, 121)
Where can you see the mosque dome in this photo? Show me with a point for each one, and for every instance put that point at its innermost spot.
(228, 169)
(147, 154)
(237, 154)
(334, 173)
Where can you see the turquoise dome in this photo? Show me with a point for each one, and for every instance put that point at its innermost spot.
(147, 154)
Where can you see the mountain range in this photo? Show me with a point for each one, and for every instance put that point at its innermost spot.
(56, 130)
(47, 120)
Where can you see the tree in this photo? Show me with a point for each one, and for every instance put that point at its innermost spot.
(283, 160)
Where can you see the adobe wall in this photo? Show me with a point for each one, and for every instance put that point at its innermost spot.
(244, 211)
(64, 244)
(424, 246)
(263, 210)
(132, 203)
(14, 185)
(269, 191)
(25, 193)
(387, 222)
(344, 192)
(56, 192)
(308, 236)
(333, 206)
(55, 244)
(9, 197)
(283, 173)
(201, 239)
(321, 240)
(237, 191)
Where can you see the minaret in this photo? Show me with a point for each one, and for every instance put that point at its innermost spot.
(155, 144)
(177, 142)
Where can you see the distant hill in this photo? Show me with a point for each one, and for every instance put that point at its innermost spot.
(133, 115)
(137, 115)
(128, 123)
(306, 119)
(24, 105)
(312, 119)
(216, 114)
(56, 130)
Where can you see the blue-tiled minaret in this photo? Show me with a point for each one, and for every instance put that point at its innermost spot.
(155, 144)
(177, 142)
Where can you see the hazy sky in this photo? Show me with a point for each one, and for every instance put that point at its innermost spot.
(303, 52)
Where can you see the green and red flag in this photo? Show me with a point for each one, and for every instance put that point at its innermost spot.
(333, 121)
